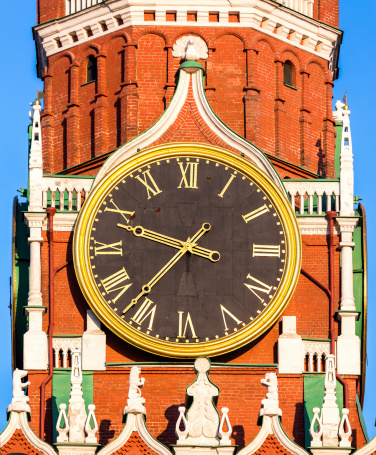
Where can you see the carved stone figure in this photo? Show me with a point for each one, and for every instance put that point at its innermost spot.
(76, 408)
(19, 399)
(135, 402)
(202, 416)
(191, 48)
(270, 405)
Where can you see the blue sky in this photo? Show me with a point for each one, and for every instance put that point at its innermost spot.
(19, 87)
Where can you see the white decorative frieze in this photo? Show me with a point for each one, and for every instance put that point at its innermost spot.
(315, 354)
(314, 197)
(63, 349)
(65, 193)
(104, 18)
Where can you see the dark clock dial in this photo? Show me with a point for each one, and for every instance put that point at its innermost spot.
(187, 250)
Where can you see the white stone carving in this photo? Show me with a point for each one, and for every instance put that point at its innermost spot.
(305, 7)
(69, 31)
(190, 48)
(181, 434)
(19, 399)
(202, 416)
(315, 225)
(167, 119)
(91, 431)
(76, 409)
(135, 402)
(225, 435)
(62, 424)
(316, 433)
(344, 435)
(299, 192)
(316, 352)
(65, 346)
(69, 191)
(330, 412)
(289, 348)
(93, 344)
(270, 405)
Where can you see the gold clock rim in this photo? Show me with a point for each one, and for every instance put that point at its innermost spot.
(161, 347)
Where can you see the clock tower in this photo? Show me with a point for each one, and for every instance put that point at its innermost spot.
(190, 234)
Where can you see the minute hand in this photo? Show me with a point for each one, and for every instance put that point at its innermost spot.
(140, 231)
(186, 247)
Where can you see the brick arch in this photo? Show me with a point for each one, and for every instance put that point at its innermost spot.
(126, 37)
(325, 70)
(69, 55)
(95, 47)
(289, 54)
(151, 31)
(233, 32)
(255, 43)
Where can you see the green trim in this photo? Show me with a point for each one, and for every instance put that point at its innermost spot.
(315, 339)
(290, 86)
(72, 176)
(319, 179)
(66, 336)
(191, 64)
(361, 419)
(190, 363)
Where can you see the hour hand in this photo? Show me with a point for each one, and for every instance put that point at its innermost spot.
(139, 231)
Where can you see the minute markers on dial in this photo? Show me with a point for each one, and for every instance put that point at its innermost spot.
(139, 231)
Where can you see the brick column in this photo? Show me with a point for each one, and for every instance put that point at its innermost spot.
(73, 118)
(209, 88)
(279, 113)
(47, 124)
(305, 122)
(252, 99)
(329, 133)
(100, 109)
(129, 95)
(170, 78)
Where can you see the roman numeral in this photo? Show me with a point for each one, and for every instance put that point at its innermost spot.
(114, 283)
(227, 185)
(112, 248)
(266, 250)
(191, 170)
(225, 310)
(188, 321)
(150, 189)
(142, 314)
(259, 286)
(255, 213)
(117, 210)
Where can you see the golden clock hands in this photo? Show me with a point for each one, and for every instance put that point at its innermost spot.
(139, 231)
(187, 246)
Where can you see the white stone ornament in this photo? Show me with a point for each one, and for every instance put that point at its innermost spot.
(19, 399)
(181, 434)
(316, 434)
(190, 48)
(62, 430)
(202, 416)
(330, 411)
(344, 436)
(76, 409)
(270, 405)
(91, 432)
(225, 435)
(135, 403)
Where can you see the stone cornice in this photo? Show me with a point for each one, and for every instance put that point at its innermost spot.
(266, 16)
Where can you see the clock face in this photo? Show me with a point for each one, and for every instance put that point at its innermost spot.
(186, 250)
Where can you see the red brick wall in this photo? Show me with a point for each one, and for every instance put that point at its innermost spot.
(136, 79)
